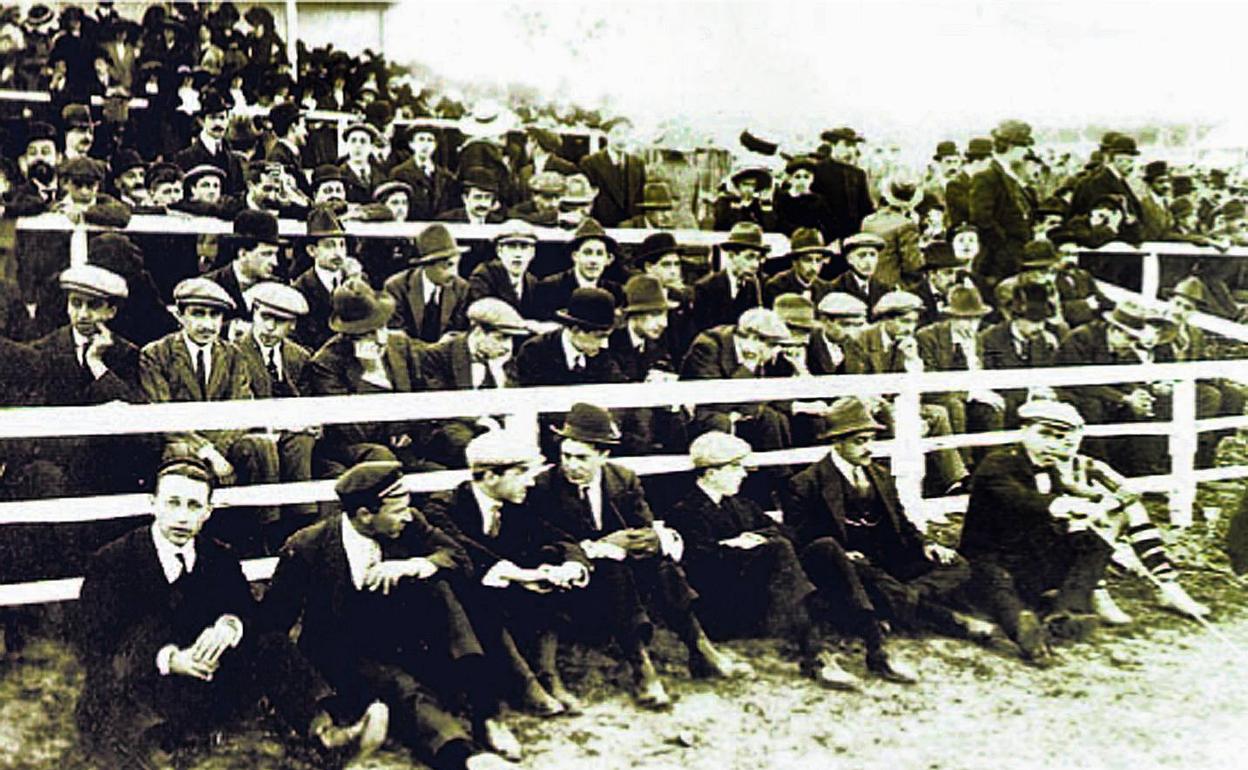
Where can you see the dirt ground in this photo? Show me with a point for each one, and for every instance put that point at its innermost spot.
(1162, 693)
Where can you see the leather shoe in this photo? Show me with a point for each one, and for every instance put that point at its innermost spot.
(1071, 626)
(878, 663)
(569, 703)
(824, 668)
(498, 737)
(537, 700)
(1033, 640)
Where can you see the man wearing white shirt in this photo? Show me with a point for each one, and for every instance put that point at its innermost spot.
(210, 145)
(174, 646)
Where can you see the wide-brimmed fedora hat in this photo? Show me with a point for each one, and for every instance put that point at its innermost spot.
(745, 235)
(590, 307)
(1131, 317)
(965, 302)
(324, 223)
(644, 294)
(807, 240)
(436, 243)
(590, 230)
(588, 424)
(358, 309)
(847, 416)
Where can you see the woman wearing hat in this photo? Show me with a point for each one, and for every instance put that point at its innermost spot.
(747, 198)
(796, 205)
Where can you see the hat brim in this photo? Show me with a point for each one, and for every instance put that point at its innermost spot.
(1132, 330)
(438, 256)
(978, 312)
(803, 324)
(510, 331)
(649, 307)
(612, 245)
(653, 256)
(738, 246)
(824, 250)
(564, 315)
(576, 435)
(866, 426)
(376, 319)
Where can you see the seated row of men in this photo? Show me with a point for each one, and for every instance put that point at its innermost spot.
(492, 574)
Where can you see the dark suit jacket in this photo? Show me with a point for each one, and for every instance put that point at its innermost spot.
(227, 279)
(335, 371)
(313, 582)
(635, 365)
(999, 208)
(848, 284)
(1099, 182)
(620, 188)
(845, 189)
(814, 506)
(294, 358)
(312, 330)
(788, 283)
(541, 362)
(1007, 513)
(167, 373)
(360, 189)
(937, 350)
(554, 291)
(958, 199)
(65, 383)
(624, 504)
(430, 195)
(713, 305)
(819, 359)
(879, 359)
(491, 279)
(408, 291)
(1086, 346)
(702, 523)
(447, 365)
(225, 159)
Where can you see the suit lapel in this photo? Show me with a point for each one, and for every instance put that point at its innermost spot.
(461, 363)
(416, 294)
(833, 492)
(221, 360)
(184, 367)
(396, 360)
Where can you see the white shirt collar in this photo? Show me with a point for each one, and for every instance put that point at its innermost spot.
(193, 350)
(362, 552)
(79, 343)
(488, 506)
(570, 354)
(167, 553)
(213, 146)
(844, 466)
(635, 339)
(428, 287)
(328, 277)
(594, 487)
(716, 496)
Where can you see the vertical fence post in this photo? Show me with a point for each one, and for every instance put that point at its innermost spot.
(78, 245)
(907, 457)
(1183, 438)
(1150, 274)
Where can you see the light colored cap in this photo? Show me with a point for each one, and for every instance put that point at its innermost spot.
(764, 323)
(202, 291)
(501, 448)
(516, 230)
(278, 298)
(715, 448)
(1058, 413)
(897, 303)
(860, 240)
(840, 305)
(94, 280)
(497, 315)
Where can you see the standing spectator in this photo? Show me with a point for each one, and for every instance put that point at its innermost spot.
(433, 185)
(958, 186)
(618, 175)
(210, 145)
(841, 183)
(999, 207)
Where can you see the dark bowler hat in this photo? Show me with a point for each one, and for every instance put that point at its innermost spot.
(77, 116)
(589, 424)
(365, 484)
(946, 150)
(1014, 132)
(757, 144)
(965, 302)
(842, 134)
(39, 131)
(1038, 255)
(796, 310)
(1155, 170)
(978, 148)
(1031, 302)
(939, 255)
(655, 247)
(644, 294)
(656, 196)
(213, 101)
(259, 226)
(326, 172)
(125, 160)
(434, 244)
(847, 416)
(589, 230)
(590, 307)
(745, 235)
(480, 178)
(373, 134)
(807, 240)
(1118, 144)
(283, 116)
(358, 309)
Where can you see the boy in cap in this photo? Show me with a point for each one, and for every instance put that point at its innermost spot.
(174, 643)
(634, 559)
(205, 187)
(507, 276)
(361, 169)
(834, 345)
(80, 181)
(742, 564)
(166, 186)
(195, 364)
(433, 185)
(430, 296)
(346, 578)
(862, 253)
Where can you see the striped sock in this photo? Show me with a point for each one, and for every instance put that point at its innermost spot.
(1146, 542)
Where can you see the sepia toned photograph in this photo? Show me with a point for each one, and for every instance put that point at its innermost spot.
(623, 385)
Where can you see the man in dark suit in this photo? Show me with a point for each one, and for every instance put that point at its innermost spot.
(1020, 342)
(741, 562)
(434, 187)
(1111, 177)
(517, 561)
(257, 251)
(173, 643)
(1025, 535)
(507, 276)
(327, 245)
(430, 297)
(999, 207)
(958, 189)
(543, 149)
(808, 255)
(868, 560)
(592, 251)
(361, 171)
(618, 175)
(210, 145)
(346, 578)
(602, 507)
(659, 256)
(843, 184)
(480, 196)
(721, 297)
(542, 208)
(290, 134)
(641, 349)
(364, 356)
(862, 252)
(833, 347)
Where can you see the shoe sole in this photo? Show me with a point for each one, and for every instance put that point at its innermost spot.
(373, 732)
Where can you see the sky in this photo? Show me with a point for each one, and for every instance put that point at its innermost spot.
(900, 68)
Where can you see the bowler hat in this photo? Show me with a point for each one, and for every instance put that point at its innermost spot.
(801, 162)
(745, 235)
(1013, 132)
(326, 172)
(365, 484)
(125, 160)
(644, 294)
(807, 240)
(656, 196)
(1038, 255)
(1031, 302)
(480, 178)
(590, 307)
(283, 116)
(945, 150)
(39, 131)
(77, 116)
(436, 243)
(847, 416)
(965, 302)
(259, 226)
(979, 148)
(1119, 144)
(796, 310)
(590, 230)
(212, 101)
(358, 309)
(939, 255)
(842, 134)
(757, 144)
(1156, 169)
(373, 134)
(655, 247)
(589, 424)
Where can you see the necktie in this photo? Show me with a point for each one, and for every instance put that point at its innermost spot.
(182, 562)
(275, 376)
(578, 365)
(861, 482)
(82, 354)
(431, 322)
(488, 381)
(589, 506)
(496, 522)
(201, 371)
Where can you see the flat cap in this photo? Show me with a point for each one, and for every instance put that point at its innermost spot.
(364, 485)
(763, 323)
(715, 448)
(516, 230)
(87, 169)
(577, 189)
(501, 448)
(95, 281)
(550, 182)
(1050, 412)
(796, 310)
(838, 304)
(497, 315)
(278, 299)
(861, 240)
(163, 173)
(202, 291)
(204, 169)
(897, 303)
